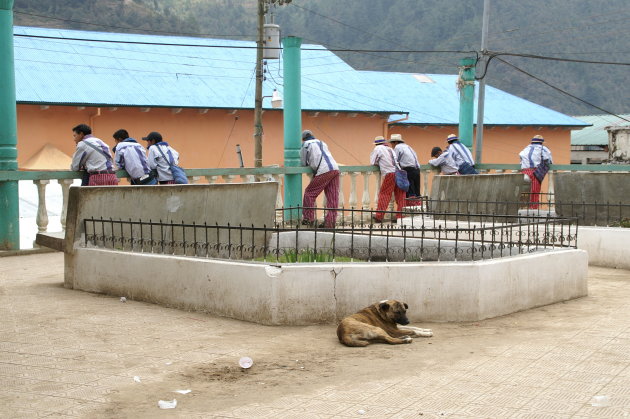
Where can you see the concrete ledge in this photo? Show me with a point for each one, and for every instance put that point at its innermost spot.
(606, 246)
(299, 294)
(55, 241)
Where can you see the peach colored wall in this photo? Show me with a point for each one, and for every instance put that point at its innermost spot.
(500, 145)
(203, 140)
(209, 140)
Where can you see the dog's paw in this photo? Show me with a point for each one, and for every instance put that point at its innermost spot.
(407, 339)
(425, 333)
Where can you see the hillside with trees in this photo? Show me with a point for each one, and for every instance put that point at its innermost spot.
(593, 30)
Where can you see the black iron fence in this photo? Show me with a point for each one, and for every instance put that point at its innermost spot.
(414, 236)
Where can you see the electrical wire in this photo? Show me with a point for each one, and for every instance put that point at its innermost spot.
(560, 90)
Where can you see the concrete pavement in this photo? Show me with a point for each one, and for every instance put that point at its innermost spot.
(66, 353)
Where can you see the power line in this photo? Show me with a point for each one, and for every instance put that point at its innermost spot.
(560, 90)
(232, 46)
(543, 57)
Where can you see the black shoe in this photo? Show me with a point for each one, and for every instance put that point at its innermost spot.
(309, 223)
(376, 220)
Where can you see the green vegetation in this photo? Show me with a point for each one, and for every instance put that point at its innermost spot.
(304, 256)
(579, 29)
(624, 222)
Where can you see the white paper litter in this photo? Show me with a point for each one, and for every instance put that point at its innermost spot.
(600, 401)
(167, 404)
(168, 363)
(123, 300)
(361, 412)
(137, 379)
(182, 391)
(245, 362)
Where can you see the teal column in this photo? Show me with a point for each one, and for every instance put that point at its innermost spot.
(9, 199)
(466, 84)
(292, 123)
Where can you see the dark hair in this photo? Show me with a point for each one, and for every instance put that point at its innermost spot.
(82, 129)
(435, 151)
(121, 134)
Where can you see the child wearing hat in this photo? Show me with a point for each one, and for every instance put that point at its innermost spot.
(315, 154)
(531, 157)
(408, 160)
(383, 156)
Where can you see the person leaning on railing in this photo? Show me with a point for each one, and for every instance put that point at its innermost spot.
(92, 156)
(531, 157)
(408, 160)
(315, 154)
(132, 157)
(444, 161)
(383, 156)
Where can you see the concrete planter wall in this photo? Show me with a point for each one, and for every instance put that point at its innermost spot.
(606, 246)
(299, 294)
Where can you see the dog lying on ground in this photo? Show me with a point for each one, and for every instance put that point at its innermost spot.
(379, 323)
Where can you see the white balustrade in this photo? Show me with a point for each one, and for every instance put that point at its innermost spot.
(228, 178)
(41, 219)
(212, 179)
(365, 199)
(341, 202)
(352, 200)
(65, 189)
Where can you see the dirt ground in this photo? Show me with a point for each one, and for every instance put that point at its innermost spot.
(109, 342)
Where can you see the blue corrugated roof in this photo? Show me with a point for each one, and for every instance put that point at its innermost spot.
(596, 134)
(212, 73)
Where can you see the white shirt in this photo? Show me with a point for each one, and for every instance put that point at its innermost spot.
(85, 157)
(132, 157)
(311, 155)
(446, 162)
(406, 156)
(384, 157)
(460, 154)
(156, 161)
(532, 155)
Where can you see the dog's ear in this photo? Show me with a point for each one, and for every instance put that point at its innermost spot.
(383, 306)
(406, 306)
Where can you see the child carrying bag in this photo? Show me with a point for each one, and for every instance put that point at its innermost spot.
(541, 170)
(402, 181)
(179, 175)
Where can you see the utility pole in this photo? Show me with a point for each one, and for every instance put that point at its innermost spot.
(259, 82)
(263, 6)
(482, 83)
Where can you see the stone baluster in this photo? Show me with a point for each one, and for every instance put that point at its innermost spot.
(379, 180)
(228, 178)
(425, 182)
(42, 213)
(365, 199)
(248, 178)
(352, 200)
(551, 188)
(65, 189)
(342, 198)
(212, 179)
(280, 179)
(193, 179)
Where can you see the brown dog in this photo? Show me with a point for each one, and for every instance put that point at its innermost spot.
(378, 323)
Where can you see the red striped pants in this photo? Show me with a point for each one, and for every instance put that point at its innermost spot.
(534, 196)
(385, 195)
(103, 179)
(329, 183)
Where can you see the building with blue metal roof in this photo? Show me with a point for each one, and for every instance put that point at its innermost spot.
(199, 92)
